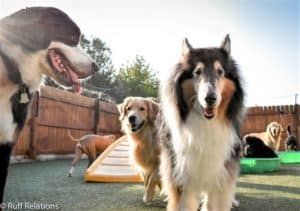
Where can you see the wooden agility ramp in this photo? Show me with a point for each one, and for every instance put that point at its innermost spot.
(113, 165)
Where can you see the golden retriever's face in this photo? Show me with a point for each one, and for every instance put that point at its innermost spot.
(135, 112)
(274, 128)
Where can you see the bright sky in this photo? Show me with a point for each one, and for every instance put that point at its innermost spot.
(264, 33)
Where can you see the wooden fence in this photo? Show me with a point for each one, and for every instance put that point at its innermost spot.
(54, 111)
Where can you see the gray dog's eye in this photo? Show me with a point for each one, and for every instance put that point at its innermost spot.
(74, 38)
(142, 108)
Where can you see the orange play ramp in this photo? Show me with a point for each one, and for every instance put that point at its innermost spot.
(113, 165)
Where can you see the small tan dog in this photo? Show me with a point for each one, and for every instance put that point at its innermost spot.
(271, 137)
(137, 116)
(91, 145)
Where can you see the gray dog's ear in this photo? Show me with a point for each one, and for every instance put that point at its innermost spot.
(121, 108)
(226, 45)
(153, 109)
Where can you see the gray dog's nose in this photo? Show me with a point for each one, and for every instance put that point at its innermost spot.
(132, 119)
(95, 67)
(211, 99)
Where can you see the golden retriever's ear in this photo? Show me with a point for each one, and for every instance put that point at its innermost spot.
(121, 108)
(280, 129)
(269, 129)
(153, 109)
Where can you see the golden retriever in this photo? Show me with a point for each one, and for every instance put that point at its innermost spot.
(271, 137)
(137, 116)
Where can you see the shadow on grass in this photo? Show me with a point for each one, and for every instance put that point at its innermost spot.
(293, 190)
(253, 203)
(291, 170)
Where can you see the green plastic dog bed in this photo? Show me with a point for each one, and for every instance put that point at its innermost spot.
(259, 165)
(289, 157)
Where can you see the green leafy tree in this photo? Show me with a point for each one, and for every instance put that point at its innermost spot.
(137, 79)
(101, 53)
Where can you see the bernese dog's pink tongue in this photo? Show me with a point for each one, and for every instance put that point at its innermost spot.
(76, 83)
(77, 88)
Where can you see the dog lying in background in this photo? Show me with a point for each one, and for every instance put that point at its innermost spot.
(255, 148)
(35, 41)
(291, 141)
(271, 137)
(91, 145)
(137, 116)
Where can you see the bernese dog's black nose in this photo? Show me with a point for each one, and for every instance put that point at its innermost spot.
(95, 67)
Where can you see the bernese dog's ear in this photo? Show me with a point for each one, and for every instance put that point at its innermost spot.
(122, 108)
(153, 109)
(34, 28)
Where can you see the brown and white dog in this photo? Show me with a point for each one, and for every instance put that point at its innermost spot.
(271, 137)
(91, 145)
(202, 108)
(137, 116)
(35, 41)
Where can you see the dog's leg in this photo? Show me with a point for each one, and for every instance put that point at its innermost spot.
(149, 192)
(153, 180)
(220, 199)
(92, 158)
(5, 151)
(91, 153)
(173, 196)
(146, 177)
(78, 154)
(188, 201)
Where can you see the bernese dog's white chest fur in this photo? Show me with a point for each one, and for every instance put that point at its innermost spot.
(7, 126)
(202, 146)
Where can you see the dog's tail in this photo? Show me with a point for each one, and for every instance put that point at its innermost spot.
(71, 137)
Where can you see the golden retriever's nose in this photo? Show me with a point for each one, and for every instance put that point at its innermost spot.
(95, 67)
(132, 119)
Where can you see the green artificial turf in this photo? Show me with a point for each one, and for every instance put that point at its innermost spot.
(48, 183)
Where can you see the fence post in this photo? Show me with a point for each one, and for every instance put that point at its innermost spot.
(96, 117)
(32, 151)
(297, 119)
(297, 124)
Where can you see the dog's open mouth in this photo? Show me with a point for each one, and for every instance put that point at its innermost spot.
(209, 112)
(135, 128)
(65, 73)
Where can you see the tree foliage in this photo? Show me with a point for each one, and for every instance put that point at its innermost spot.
(101, 53)
(138, 79)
